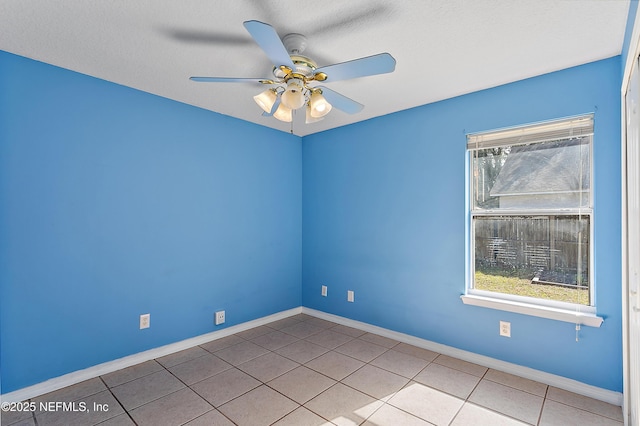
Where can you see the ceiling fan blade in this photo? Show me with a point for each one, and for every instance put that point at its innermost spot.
(269, 41)
(340, 101)
(381, 63)
(231, 80)
(189, 35)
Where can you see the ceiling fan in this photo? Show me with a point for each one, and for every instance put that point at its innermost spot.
(294, 76)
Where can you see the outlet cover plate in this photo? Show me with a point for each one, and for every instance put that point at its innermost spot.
(145, 321)
(505, 328)
(219, 317)
(350, 295)
(324, 291)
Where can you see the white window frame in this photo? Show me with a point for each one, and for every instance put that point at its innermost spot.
(552, 309)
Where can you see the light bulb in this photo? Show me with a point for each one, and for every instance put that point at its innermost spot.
(319, 105)
(309, 118)
(293, 97)
(266, 99)
(283, 113)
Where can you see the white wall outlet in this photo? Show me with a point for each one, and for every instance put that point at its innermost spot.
(324, 290)
(219, 317)
(505, 328)
(349, 295)
(145, 321)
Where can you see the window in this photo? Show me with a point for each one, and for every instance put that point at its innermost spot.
(531, 214)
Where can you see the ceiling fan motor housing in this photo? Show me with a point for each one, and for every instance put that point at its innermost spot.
(294, 43)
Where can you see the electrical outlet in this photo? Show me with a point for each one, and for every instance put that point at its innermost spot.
(219, 317)
(349, 295)
(145, 321)
(324, 290)
(505, 329)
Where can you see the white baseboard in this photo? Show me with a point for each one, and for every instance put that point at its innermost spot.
(605, 395)
(570, 385)
(118, 364)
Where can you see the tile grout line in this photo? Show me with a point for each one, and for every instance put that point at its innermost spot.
(33, 414)
(118, 401)
(378, 399)
(304, 365)
(396, 392)
(591, 413)
(511, 387)
(544, 401)
(299, 405)
(413, 379)
(466, 400)
(129, 381)
(262, 383)
(193, 390)
(433, 361)
(331, 378)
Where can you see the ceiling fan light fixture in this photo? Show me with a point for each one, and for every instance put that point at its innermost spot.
(283, 113)
(309, 118)
(266, 99)
(293, 96)
(318, 105)
(293, 72)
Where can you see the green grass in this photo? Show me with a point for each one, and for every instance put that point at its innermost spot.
(522, 287)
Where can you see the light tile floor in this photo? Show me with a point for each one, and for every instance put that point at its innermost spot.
(305, 371)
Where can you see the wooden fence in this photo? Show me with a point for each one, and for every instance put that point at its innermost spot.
(555, 248)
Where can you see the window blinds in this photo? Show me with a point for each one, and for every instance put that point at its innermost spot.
(552, 130)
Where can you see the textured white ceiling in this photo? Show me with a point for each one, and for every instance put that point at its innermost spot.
(443, 48)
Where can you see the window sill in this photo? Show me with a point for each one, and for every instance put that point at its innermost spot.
(583, 318)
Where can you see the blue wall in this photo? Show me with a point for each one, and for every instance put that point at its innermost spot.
(115, 203)
(384, 215)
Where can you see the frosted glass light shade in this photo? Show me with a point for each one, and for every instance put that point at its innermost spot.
(266, 99)
(319, 105)
(309, 118)
(283, 113)
(293, 97)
